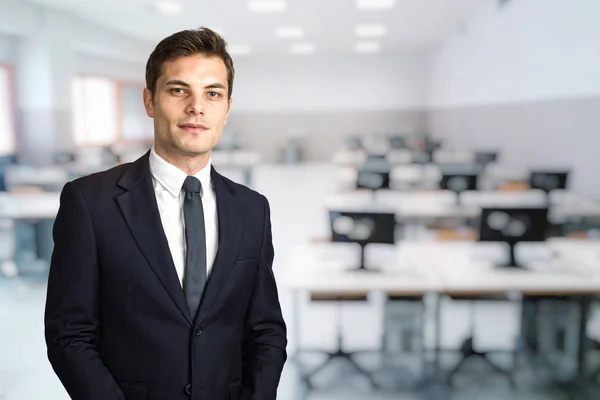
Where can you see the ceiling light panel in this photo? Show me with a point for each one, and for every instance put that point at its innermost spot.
(266, 6)
(374, 4)
(289, 32)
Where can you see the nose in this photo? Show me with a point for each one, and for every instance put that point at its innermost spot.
(195, 106)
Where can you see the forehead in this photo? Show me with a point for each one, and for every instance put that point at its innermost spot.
(195, 68)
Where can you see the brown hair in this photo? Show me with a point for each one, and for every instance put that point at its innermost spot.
(187, 43)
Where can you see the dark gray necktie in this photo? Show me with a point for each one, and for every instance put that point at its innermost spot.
(194, 278)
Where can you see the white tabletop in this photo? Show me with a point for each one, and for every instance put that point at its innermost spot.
(309, 270)
(422, 267)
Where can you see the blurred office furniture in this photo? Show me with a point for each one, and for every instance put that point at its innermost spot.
(29, 178)
(512, 226)
(373, 176)
(549, 180)
(495, 198)
(398, 141)
(328, 278)
(228, 162)
(8, 267)
(363, 227)
(129, 152)
(406, 177)
(33, 216)
(458, 183)
(5, 161)
(292, 151)
(484, 158)
(399, 156)
(451, 157)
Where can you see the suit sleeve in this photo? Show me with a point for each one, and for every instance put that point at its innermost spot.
(264, 347)
(71, 315)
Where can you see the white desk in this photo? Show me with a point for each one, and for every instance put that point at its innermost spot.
(442, 268)
(37, 210)
(308, 271)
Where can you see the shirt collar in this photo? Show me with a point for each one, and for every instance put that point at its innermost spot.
(172, 178)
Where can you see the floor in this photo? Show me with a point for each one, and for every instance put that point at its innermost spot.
(296, 195)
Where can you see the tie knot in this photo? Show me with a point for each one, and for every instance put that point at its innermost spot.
(191, 185)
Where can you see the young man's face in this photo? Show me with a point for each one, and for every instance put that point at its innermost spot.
(189, 106)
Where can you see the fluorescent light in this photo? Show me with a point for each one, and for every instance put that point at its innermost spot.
(302, 48)
(367, 47)
(289, 32)
(266, 5)
(370, 30)
(169, 7)
(239, 49)
(374, 4)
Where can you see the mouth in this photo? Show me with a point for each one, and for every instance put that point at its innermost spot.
(193, 128)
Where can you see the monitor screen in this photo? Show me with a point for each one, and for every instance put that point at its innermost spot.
(549, 180)
(513, 225)
(486, 157)
(458, 182)
(362, 227)
(373, 180)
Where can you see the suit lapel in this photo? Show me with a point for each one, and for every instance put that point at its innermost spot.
(140, 210)
(230, 220)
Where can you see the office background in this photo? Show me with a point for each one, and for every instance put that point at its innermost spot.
(515, 77)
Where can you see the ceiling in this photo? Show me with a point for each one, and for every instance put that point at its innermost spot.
(329, 25)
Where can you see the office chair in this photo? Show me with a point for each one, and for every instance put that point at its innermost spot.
(509, 225)
(361, 228)
(338, 353)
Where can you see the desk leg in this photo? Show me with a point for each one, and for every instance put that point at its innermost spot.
(582, 386)
(436, 358)
(584, 304)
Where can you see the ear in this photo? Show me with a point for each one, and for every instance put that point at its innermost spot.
(148, 103)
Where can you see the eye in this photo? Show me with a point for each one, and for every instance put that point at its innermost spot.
(214, 94)
(177, 91)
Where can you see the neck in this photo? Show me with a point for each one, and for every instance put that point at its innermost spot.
(190, 164)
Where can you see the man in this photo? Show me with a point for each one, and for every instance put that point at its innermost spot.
(161, 282)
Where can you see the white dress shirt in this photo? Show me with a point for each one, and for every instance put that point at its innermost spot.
(168, 182)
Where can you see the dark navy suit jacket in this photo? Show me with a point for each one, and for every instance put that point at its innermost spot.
(116, 322)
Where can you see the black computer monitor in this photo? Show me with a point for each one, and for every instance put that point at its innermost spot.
(459, 182)
(362, 228)
(484, 158)
(548, 180)
(373, 180)
(513, 225)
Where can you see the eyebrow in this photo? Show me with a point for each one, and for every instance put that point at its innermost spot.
(182, 83)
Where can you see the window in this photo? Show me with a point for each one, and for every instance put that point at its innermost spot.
(7, 113)
(135, 124)
(95, 110)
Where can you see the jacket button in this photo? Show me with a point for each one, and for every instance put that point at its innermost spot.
(188, 389)
(198, 332)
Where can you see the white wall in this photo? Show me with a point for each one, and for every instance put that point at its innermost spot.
(323, 83)
(19, 18)
(7, 48)
(528, 50)
(110, 68)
